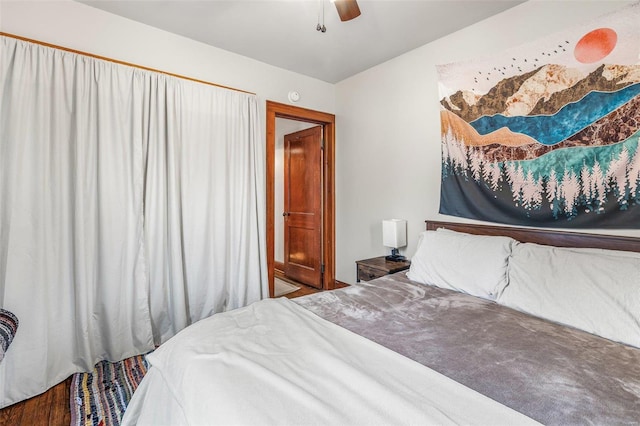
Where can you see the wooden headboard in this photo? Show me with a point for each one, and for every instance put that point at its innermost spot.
(544, 236)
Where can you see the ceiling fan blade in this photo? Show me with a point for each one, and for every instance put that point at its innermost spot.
(347, 9)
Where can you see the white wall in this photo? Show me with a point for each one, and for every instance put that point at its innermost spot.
(81, 27)
(388, 127)
(388, 138)
(283, 128)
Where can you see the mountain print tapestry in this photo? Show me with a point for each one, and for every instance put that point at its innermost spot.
(547, 134)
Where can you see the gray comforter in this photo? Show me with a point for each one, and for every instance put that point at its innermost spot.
(552, 373)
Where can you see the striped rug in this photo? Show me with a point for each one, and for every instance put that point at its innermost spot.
(8, 328)
(99, 398)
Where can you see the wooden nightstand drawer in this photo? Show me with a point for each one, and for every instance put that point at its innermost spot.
(376, 267)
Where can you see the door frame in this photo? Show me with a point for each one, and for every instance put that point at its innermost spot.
(279, 110)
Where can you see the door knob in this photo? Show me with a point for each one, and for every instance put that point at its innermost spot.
(286, 214)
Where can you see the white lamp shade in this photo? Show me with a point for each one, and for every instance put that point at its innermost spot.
(394, 233)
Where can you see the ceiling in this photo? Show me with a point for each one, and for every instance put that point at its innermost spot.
(283, 33)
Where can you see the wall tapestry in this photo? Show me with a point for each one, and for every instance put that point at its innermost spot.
(547, 134)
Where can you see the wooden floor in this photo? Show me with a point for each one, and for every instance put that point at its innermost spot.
(52, 407)
(304, 289)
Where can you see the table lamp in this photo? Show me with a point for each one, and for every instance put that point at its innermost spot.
(394, 235)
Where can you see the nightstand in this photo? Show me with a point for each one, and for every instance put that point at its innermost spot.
(376, 267)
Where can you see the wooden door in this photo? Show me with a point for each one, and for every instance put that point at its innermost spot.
(303, 206)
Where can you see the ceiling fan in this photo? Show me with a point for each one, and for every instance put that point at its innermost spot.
(347, 9)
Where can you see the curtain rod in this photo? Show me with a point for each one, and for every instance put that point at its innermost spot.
(91, 55)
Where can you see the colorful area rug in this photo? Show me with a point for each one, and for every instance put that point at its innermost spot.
(99, 398)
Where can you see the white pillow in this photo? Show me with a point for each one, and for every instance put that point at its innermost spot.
(473, 264)
(597, 291)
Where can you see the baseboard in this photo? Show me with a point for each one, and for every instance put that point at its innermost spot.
(340, 284)
(278, 267)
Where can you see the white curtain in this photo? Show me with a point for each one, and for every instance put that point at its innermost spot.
(204, 203)
(131, 205)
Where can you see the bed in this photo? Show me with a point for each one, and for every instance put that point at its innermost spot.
(515, 326)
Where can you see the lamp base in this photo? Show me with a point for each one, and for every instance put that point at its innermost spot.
(395, 256)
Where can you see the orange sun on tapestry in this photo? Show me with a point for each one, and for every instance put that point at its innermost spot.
(595, 45)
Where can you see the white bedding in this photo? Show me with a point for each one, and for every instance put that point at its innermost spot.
(274, 362)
